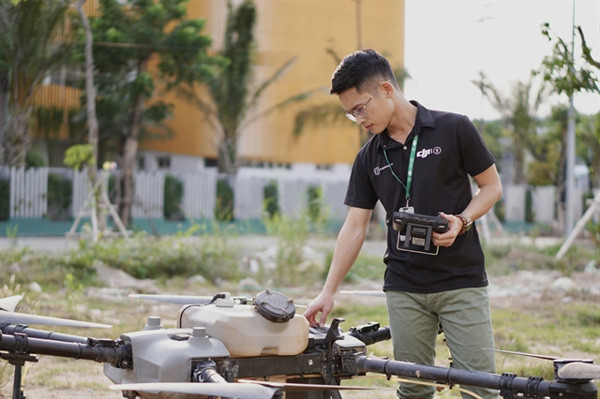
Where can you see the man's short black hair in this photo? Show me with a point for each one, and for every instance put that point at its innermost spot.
(359, 70)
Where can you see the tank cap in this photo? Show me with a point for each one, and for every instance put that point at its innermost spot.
(274, 306)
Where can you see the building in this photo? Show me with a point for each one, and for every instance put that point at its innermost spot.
(304, 30)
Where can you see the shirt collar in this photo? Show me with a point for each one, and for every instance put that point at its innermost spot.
(423, 119)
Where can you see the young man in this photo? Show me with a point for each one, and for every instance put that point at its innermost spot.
(419, 160)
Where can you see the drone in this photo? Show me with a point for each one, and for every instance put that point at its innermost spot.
(257, 348)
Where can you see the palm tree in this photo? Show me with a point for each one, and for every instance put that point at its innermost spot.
(232, 94)
(330, 113)
(31, 46)
(519, 113)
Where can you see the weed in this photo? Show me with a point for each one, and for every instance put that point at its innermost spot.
(292, 235)
(12, 231)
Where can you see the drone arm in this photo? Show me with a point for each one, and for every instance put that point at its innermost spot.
(371, 333)
(33, 333)
(94, 350)
(507, 384)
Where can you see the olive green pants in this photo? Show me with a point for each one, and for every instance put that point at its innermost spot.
(465, 318)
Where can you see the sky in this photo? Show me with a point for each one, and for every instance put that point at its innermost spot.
(449, 42)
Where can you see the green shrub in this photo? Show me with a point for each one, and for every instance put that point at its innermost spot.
(224, 205)
(60, 191)
(529, 211)
(500, 210)
(594, 229)
(113, 188)
(315, 197)
(271, 200)
(291, 236)
(48, 270)
(34, 159)
(4, 199)
(144, 257)
(173, 194)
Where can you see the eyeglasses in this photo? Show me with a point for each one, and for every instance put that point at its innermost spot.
(360, 112)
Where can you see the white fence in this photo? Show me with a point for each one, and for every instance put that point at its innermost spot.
(29, 192)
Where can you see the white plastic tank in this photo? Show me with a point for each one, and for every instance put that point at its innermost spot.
(268, 327)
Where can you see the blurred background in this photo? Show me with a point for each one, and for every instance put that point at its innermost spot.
(219, 110)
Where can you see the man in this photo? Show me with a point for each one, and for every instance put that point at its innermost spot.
(422, 289)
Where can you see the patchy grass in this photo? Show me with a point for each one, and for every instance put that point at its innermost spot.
(547, 326)
(506, 259)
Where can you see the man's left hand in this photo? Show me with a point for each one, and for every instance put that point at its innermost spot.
(446, 239)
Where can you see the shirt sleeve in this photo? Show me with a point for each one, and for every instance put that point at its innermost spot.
(476, 157)
(361, 193)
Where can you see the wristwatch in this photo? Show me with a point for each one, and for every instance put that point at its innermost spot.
(466, 224)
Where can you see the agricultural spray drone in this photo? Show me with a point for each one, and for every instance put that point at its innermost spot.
(251, 349)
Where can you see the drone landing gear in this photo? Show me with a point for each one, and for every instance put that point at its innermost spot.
(17, 391)
(18, 358)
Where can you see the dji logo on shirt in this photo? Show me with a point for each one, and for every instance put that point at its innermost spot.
(425, 152)
(377, 170)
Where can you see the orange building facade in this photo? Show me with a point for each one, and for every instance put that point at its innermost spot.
(303, 30)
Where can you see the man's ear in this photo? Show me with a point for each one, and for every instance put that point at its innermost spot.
(388, 88)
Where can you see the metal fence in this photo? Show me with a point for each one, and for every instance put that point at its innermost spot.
(29, 194)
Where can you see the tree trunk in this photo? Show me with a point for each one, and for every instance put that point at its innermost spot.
(3, 104)
(227, 162)
(595, 176)
(127, 181)
(130, 153)
(129, 158)
(17, 138)
(519, 176)
(92, 120)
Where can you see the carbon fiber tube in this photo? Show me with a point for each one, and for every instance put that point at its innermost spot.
(34, 333)
(507, 384)
(73, 350)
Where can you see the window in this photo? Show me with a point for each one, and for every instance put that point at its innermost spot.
(164, 162)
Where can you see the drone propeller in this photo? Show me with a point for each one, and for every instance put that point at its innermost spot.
(23, 318)
(579, 370)
(175, 299)
(243, 389)
(566, 369)
(221, 389)
(545, 357)
(294, 387)
(9, 304)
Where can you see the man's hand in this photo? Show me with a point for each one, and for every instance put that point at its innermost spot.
(454, 227)
(323, 304)
(489, 191)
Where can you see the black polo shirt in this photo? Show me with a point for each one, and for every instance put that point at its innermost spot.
(449, 149)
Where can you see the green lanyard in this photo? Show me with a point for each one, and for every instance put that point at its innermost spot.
(411, 164)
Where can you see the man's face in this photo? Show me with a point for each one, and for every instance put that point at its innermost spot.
(367, 108)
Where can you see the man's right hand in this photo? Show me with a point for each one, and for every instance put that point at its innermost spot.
(321, 304)
(347, 246)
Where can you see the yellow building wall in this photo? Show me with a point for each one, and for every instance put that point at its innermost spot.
(192, 135)
(304, 30)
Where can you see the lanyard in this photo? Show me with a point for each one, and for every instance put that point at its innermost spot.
(411, 164)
